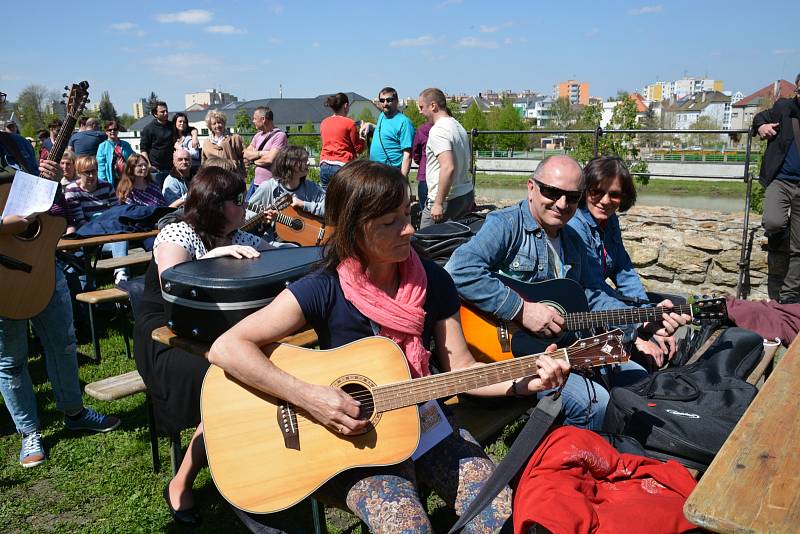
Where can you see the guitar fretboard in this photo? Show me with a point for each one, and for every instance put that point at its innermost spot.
(584, 320)
(399, 395)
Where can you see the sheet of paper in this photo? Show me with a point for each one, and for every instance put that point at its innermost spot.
(434, 426)
(29, 194)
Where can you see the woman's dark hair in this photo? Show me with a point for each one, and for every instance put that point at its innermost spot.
(286, 160)
(360, 191)
(606, 168)
(337, 101)
(205, 200)
(175, 124)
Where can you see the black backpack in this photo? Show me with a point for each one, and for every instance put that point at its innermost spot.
(438, 241)
(687, 413)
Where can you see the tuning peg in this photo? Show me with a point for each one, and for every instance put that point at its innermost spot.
(66, 87)
(87, 100)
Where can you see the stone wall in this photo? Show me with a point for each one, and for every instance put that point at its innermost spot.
(694, 252)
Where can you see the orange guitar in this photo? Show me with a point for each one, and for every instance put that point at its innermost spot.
(266, 455)
(292, 225)
(27, 260)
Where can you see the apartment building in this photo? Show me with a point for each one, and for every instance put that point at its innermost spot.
(577, 92)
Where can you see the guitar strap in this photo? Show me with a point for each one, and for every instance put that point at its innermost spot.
(542, 417)
(796, 131)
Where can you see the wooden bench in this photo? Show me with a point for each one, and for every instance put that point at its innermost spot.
(753, 484)
(100, 296)
(134, 257)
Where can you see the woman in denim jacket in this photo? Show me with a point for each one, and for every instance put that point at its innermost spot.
(610, 189)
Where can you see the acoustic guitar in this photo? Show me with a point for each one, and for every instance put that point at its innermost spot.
(491, 339)
(292, 225)
(27, 259)
(266, 455)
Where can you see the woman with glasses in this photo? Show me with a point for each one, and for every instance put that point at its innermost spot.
(112, 155)
(609, 190)
(214, 210)
(186, 138)
(137, 185)
(289, 170)
(223, 144)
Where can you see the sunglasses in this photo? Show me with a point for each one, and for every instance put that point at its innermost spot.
(555, 193)
(238, 199)
(387, 100)
(597, 194)
(112, 130)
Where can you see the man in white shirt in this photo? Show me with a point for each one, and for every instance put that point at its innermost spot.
(451, 194)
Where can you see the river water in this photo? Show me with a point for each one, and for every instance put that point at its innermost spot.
(721, 204)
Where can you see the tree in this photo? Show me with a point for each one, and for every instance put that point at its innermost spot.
(366, 116)
(475, 118)
(562, 113)
(414, 115)
(455, 110)
(106, 109)
(242, 122)
(310, 142)
(508, 118)
(125, 120)
(30, 108)
(704, 122)
(650, 122)
(622, 145)
(150, 103)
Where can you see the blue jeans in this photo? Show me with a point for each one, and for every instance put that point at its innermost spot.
(54, 328)
(326, 172)
(422, 193)
(579, 394)
(251, 191)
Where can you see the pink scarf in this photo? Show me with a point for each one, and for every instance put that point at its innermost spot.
(401, 318)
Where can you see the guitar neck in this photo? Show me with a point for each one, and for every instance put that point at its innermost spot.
(62, 139)
(401, 394)
(585, 320)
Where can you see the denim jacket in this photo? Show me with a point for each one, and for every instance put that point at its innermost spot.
(510, 242)
(618, 264)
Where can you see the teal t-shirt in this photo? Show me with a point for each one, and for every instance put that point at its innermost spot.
(391, 137)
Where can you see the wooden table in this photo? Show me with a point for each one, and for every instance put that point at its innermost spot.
(92, 246)
(753, 484)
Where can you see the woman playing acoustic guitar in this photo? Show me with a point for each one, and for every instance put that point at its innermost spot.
(373, 282)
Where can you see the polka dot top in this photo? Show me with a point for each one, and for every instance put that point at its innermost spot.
(184, 235)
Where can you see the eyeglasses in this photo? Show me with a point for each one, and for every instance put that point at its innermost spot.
(555, 193)
(113, 130)
(597, 194)
(89, 172)
(387, 100)
(238, 199)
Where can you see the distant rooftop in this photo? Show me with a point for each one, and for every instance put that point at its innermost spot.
(773, 91)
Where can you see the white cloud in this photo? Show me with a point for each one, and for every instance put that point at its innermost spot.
(175, 45)
(227, 29)
(488, 29)
(315, 44)
(644, 10)
(783, 51)
(474, 42)
(594, 31)
(276, 8)
(424, 40)
(508, 40)
(185, 65)
(128, 28)
(10, 77)
(190, 16)
(275, 41)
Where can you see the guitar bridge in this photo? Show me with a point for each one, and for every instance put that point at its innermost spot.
(504, 336)
(287, 421)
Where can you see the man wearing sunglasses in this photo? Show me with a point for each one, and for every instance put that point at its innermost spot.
(780, 175)
(531, 242)
(393, 136)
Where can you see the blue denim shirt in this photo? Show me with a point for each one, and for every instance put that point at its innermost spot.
(510, 242)
(618, 263)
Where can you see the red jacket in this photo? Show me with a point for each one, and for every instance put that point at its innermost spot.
(340, 140)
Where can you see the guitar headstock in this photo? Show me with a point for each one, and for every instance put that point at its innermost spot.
(597, 350)
(77, 98)
(710, 309)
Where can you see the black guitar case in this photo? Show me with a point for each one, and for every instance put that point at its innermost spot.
(204, 298)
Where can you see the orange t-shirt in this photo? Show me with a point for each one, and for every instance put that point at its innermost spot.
(340, 140)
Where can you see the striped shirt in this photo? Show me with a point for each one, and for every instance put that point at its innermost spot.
(150, 196)
(86, 205)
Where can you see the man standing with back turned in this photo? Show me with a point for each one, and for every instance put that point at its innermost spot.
(450, 191)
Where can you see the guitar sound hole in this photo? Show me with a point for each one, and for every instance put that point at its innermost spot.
(297, 224)
(363, 395)
(31, 232)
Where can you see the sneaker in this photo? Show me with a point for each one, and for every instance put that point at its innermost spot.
(32, 451)
(120, 276)
(91, 420)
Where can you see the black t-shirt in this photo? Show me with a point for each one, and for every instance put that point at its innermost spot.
(158, 140)
(337, 322)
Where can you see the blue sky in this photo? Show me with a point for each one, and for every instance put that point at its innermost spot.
(462, 46)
